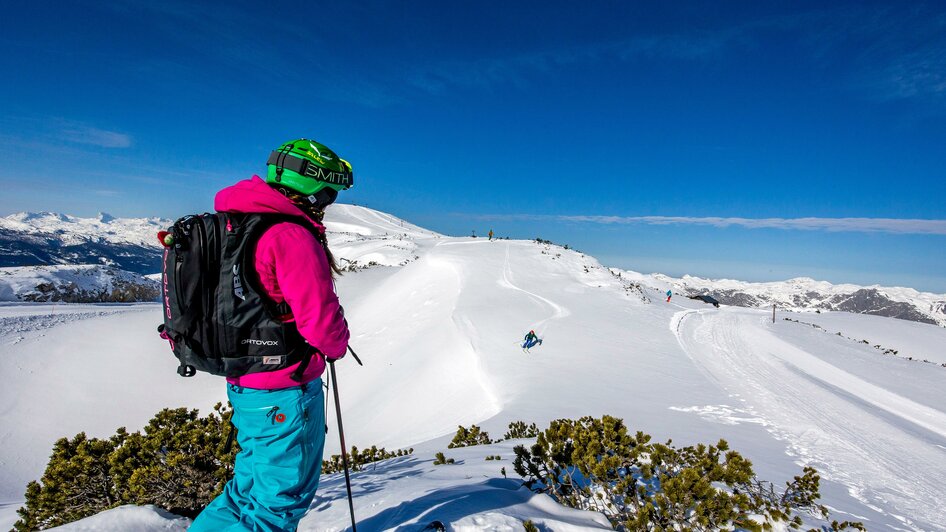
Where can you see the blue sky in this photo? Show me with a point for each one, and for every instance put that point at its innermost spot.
(683, 139)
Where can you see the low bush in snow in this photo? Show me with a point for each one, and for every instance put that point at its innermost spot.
(440, 459)
(595, 464)
(519, 429)
(467, 437)
(177, 463)
(358, 459)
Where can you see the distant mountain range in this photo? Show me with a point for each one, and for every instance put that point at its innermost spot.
(47, 239)
(808, 294)
(55, 257)
(126, 250)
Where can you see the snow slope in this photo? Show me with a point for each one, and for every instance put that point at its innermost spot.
(909, 340)
(439, 332)
(852, 428)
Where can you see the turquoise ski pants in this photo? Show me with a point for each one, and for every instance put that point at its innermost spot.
(281, 435)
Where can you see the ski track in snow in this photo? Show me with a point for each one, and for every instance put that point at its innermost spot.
(885, 448)
(557, 310)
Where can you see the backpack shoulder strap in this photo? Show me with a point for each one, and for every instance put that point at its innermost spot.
(253, 226)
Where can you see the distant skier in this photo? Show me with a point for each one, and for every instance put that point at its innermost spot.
(531, 340)
(669, 293)
(490, 234)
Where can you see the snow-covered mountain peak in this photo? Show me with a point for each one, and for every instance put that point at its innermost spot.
(75, 230)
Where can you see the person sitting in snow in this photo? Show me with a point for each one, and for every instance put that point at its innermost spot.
(531, 340)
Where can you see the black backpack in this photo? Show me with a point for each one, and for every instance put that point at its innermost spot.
(217, 318)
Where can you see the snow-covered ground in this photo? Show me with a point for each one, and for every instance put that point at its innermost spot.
(870, 423)
(909, 340)
(439, 329)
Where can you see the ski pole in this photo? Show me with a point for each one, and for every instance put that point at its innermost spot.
(354, 354)
(341, 438)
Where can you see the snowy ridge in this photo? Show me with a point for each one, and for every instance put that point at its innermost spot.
(361, 237)
(805, 294)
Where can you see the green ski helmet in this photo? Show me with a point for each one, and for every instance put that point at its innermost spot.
(307, 167)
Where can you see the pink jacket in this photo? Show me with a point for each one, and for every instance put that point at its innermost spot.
(293, 268)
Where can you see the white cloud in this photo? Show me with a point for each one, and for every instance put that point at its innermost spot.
(83, 134)
(857, 225)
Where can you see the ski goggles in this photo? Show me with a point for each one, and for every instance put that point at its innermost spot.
(301, 166)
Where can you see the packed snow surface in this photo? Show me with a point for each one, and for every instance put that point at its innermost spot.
(439, 324)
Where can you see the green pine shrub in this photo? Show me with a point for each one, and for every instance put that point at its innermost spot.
(469, 437)
(357, 460)
(595, 464)
(530, 526)
(176, 463)
(519, 429)
(440, 459)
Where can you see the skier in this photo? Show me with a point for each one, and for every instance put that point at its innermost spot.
(531, 340)
(280, 422)
(669, 293)
(490, 234)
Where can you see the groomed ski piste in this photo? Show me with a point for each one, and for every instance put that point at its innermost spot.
(439, 323)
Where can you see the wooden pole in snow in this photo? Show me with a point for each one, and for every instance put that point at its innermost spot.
(773, 312)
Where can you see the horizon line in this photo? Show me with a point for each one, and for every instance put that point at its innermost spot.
(917, 226)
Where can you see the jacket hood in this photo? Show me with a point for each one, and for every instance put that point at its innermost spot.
(255, 196)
